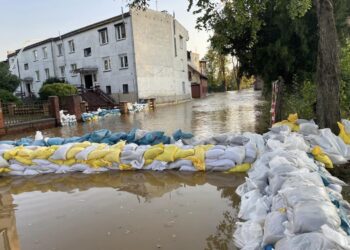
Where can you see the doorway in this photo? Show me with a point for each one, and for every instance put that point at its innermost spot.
(29, 89)
(88, 81)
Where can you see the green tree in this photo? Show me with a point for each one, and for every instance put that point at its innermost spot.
(57, 89)
(8, 81)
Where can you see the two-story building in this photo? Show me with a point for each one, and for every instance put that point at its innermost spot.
(133, 56)
(197, 75)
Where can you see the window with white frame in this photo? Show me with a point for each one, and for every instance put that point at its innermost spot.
(181, 42)
(120, 31)
(124, 61)
(63, 71)
(103, 33)
(45, 52)
(26, 66)
(47, 73)
(71, 46)
(60, 49)
(35, 55)
(106, 63)
(73, 68)
(37, 76)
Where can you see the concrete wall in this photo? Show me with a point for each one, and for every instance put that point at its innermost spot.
(160, 73)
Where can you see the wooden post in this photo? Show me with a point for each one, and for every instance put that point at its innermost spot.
(55, 109)
(46, 109)
(11, 108)
(152, 103)
(123, 107)
(83, 106)
(279, 99)
(2, 122)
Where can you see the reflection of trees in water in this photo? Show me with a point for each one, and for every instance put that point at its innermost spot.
(223, 239)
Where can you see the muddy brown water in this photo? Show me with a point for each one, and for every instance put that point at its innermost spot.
(133, 210)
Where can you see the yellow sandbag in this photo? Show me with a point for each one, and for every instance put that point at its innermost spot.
(147, 162)
(183, 153)
(43, 153)
(125, 167)
(293, 118)
(113, 156)
(242, 168)
(322, 157)
(10, 154)
(24, 152)
(24, 160)
(73, 151)
(4, 170)
(57, 162)
(97, 154)
(84, 144)
(198, 159)
(343, 134)
(69, 162)
(153, 152)
(168, 155)
(98, 163)
(119, 145)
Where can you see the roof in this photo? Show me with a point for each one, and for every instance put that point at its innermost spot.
(195, 70)
(74, 32)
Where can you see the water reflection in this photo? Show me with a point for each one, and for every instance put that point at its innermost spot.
(174, 202)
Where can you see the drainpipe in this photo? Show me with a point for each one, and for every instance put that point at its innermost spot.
(53, 61)
(19, 76)
(134, 57)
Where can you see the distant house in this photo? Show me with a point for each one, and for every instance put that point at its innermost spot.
(197, 75)
(137, 55)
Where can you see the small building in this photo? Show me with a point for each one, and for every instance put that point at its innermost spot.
(134, 56)
(197, 75)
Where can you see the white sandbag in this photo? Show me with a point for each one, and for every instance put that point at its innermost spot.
(309, 241)
(278, 203)
(222, 147)
(273, 227)
(220, 165)
(238, 140)
(296, 141)
(94, 170)
(309, 216)
(130, 146)
(335, 187)
(63, 170)
(83, 155)
(3, 163)
(30, 172)
(337, 238)
(246, 187)
(308, 129)
(156, 166)
(280, 129)
(16, 173)
(253, 206)
(293, 196)
(259, 175)
(236, 154)
(139, 133)
(302, 178)
(79, 167)
(61, 152)
(248, 235)
(177, 164)
(137, 164)
(214, 153)
(250, 152)
(17, 167)
(257, 140)
(188, 168)
(41, 162)
(346, 124)
(220, 139)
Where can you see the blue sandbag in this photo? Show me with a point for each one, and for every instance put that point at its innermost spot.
(24, 142)
(55, 141)
(40, 143)
(73, 139)
(150, 138)
(178, 134)
(8, 142)
(131, 136)
(116, 137)
(99, 135)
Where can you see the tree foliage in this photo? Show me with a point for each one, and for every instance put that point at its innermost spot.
(52, 80)
(8, 81)
(57, 89)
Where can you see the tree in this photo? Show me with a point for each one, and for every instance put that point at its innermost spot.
(57, 89)
(8, 81)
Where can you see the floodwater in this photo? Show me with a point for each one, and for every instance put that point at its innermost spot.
(132, 210)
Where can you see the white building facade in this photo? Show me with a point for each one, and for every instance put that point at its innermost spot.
(137, 55)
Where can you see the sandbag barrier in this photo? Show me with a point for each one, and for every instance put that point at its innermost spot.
(100, 113)
(289, 199)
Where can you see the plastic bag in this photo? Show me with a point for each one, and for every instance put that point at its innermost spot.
(273, 227)
(293, 196)
(248, 235)
(322, 157)
(253, 206)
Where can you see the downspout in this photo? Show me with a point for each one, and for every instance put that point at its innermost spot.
(19, 76)
(134, 56)
(53, 61)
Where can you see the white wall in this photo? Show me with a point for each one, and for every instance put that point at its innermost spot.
(159, 72)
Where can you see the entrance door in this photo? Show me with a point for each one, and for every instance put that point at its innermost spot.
(29, 89)
(88, 81)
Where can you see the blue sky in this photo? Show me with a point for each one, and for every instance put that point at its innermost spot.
(35, 20)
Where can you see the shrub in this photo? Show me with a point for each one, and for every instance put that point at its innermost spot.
(7, 96)
(57, 89)
(52, 80)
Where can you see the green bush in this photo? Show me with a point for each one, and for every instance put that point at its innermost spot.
(53, 80)
(7, 96)
(57, 89)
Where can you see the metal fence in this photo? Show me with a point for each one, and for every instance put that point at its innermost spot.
(15, 114)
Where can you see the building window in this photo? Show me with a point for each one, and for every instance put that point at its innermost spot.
(60, 49)
(183, 87)
(12, 60)
(37, 75)
(87, 52)
(189, 75)
(108, 90)
(124, 61)
(106, 63)
(125, 88)
(47, 73)
(71, 46)
(63, 71)
(45, 52)
(181, 42)
(120, 31)
(103, 36)
(73, 68)
(35, 55)
(26, 66)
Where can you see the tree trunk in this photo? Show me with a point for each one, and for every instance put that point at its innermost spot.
(223, 71)
(327, 75)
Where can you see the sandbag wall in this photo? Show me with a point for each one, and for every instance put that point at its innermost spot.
(289, 200)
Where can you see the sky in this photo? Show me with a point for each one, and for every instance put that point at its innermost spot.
(23, 22)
